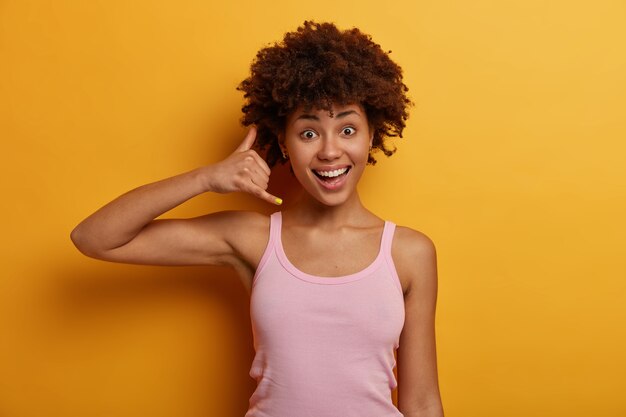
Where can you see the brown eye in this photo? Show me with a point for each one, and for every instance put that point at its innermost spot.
(349, 131)
(308, 134)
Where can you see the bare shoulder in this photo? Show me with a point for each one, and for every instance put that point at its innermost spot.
(246, 232)
(414, 256)
(412, 241)
(241, 229)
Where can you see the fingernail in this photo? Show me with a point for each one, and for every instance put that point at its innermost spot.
(278, 201)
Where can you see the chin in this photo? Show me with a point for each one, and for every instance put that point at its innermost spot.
(331, 200)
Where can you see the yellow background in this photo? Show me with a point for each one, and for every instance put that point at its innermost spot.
(512, 162)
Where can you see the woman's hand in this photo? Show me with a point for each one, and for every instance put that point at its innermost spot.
(244, 170)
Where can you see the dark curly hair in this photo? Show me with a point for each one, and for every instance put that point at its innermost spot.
(318, 66)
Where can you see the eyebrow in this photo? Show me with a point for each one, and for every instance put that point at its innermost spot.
(314, 117)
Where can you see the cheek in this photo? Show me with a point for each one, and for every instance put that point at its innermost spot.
(360, 151)
(300, 167)
(298, 159)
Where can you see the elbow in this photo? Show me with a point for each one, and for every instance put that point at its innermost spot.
(81, 243)
(75, 237)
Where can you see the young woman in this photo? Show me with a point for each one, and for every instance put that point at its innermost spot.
(335, 289)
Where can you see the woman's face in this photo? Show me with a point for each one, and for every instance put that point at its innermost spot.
(328, 154)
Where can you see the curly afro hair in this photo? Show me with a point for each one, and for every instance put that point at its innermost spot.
(318, 66)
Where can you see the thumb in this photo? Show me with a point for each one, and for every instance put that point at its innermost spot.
(248, 141)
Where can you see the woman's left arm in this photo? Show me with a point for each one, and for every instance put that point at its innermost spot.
(418, 384)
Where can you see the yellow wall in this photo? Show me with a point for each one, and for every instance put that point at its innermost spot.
(512, 162)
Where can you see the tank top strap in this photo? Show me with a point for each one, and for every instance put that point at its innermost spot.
(272, 242)
(387, 238)
(275, 226)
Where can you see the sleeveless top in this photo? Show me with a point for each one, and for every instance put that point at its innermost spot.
(324, 345)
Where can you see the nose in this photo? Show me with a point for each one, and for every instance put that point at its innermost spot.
(330, 148)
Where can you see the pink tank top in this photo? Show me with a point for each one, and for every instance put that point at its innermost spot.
(324, 345)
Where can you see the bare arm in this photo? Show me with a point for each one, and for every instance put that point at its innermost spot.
(125, 229)
(418, 390)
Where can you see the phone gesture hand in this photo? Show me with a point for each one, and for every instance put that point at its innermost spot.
(244, 170)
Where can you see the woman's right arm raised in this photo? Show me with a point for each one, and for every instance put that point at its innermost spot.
(125, 229)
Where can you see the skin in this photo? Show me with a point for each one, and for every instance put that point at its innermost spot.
(126, 230)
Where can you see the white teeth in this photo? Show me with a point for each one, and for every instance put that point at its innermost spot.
(334, 173)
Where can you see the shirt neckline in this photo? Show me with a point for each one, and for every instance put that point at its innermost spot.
(342, 279)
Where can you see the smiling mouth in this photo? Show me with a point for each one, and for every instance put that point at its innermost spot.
(332, 176)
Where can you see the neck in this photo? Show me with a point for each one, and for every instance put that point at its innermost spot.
(306, 210)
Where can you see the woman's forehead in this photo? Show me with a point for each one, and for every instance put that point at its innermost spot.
(338, 111)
